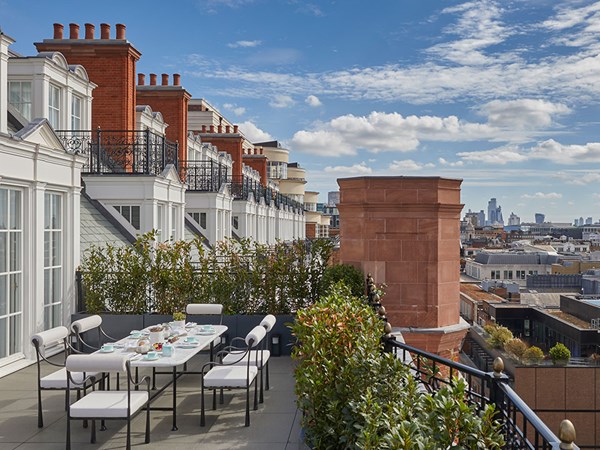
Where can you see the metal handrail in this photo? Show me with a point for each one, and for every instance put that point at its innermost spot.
(521, 426)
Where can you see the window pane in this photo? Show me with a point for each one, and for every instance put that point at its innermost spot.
(3, 302)
(47, 210)
(47, 249)
(14, 93)
(56, 248)
(15, 210)
(57, 211)
(56, 315)
(14, 294)
(3, 209)
(15, 334)
(135, 217)
(56, 285)
(3, 338)
(26, 92)
(47, 286)
(15, 250)
(3, 251)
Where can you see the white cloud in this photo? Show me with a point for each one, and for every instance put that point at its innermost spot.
(523, 113)
(282, 101)
(237, 110)
(579, 179)
(566, 154)
(253, 133)
(313, 100)
(584, 19)
(542, 196)
(501, 155)
(379, 132)
(445, 162)
(244, 44)
(409, 164)
(356, 169)
(322, 143)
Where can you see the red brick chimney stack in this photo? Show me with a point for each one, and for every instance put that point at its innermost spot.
(227, 129)
(235, 128)
(73, 31)
(58, 30)
(152, 79)
(120, 31)
(104, 31)
(176, 79)
(141, 79)
(89, 30)
(165, 79)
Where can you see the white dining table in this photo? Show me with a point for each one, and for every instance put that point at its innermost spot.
(182, 353)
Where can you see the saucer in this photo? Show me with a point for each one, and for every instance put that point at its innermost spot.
(150, 358)
(205, 332)
(104, 350)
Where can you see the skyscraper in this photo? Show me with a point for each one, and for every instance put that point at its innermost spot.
(494, 213)
(540, 218)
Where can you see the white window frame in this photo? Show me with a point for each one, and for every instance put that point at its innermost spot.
(20, 105)
(54, 109)
(127, 212)
(76, 119)
(53, 258)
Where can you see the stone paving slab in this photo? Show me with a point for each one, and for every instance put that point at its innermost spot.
(274, 426)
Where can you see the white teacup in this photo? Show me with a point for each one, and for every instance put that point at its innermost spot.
(108, 348)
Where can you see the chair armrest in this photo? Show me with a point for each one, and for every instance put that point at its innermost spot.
(50, 362)
(72, 382)
(106, 335)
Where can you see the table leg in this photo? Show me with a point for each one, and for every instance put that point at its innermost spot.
(174, 399)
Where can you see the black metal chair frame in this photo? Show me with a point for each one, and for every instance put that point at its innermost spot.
(130, 382)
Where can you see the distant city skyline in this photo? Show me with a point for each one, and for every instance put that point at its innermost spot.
(504, 95)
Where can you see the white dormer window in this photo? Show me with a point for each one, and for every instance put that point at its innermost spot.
(76, 103)
(20, 97)
(54, 107)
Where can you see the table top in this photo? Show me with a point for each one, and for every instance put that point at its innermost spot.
(182, 352)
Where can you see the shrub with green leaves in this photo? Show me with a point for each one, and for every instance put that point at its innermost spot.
(499, 335)
(353, 396)
(348, 274)
(559, 353)
(533, 355)
(516, 347)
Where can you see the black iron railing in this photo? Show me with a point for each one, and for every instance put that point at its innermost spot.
(205, 176)
(121, 151)
(241, 187)
(521, 426)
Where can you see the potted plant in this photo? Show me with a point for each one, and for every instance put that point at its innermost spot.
(560, 354)
(179, 319)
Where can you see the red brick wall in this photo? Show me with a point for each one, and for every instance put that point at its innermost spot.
(231, 145)
(173, 105)
(259, 164)
(311, 230)
(110, 63)
(405, 231)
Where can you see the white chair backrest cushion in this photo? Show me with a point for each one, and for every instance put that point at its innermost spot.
(85, 324)
(268, 322)
(256, 335)
(204, 308)
(50, 336)
(96, 363)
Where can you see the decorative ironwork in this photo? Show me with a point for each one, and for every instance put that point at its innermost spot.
(121, 151)
(205, 176)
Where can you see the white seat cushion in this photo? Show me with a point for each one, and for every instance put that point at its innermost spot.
(234, 358)
(228, 376)
(58, 379)
(108, 404)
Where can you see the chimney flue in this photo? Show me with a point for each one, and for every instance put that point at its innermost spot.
(89, 30)
(220, 128)
(120, 31)
(165, 79)
(212, 129)
(73, 31)
(152, 79)
(58, 30)
(227, 129)
(176, 79)
(235, 128)
(204, 128)
(141, 79)
(104, 31)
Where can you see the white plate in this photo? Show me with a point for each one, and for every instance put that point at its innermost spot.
(148, 358)
(187, 345)
(205, 332)
(103, 350)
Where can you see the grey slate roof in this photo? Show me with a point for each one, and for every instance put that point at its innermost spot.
(96, 229)
(515, 258)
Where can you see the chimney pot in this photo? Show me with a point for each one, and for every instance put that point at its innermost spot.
(141, 79)
(176, 79)
(227, 129)
(235, 128)
(73, 31)
(204, 128)
(220, 128)
(261, 150)
(165, 79)
(152, 79)
(120, 31)
(212, 129)
(104, 31)
(58, 30)
(89, 30)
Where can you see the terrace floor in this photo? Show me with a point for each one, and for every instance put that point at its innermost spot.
(275, 426)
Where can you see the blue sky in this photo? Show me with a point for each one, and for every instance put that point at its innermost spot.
(503, 94)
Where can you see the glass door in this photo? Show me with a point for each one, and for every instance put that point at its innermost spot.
(11, 272)
(52, 260)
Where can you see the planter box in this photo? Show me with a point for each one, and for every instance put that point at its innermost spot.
(119, 326)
